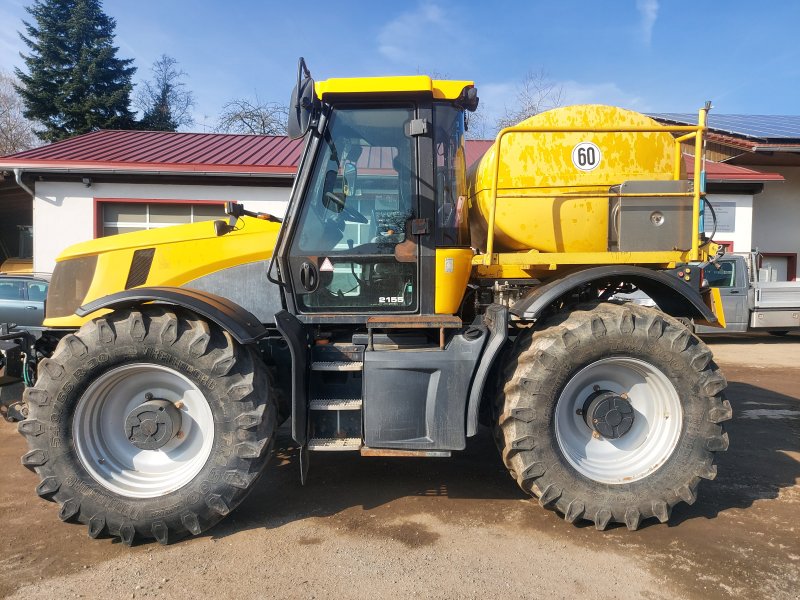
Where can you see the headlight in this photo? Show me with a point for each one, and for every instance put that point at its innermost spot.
(69, 285)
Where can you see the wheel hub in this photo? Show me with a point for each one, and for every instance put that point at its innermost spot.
(152, 424)
(608, 414)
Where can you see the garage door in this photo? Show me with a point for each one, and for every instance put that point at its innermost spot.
(124, 217)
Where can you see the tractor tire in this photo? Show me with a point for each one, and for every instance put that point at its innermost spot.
(649, 375)
(148, 423)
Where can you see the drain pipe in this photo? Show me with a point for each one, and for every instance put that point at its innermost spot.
(20, 183)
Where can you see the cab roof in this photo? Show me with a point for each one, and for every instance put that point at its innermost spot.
(439, 89)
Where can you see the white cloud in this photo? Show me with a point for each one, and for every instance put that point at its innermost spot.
(648, 13)
(407, 39)
(602, 93)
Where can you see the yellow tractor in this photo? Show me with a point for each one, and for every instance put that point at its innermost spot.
(403, 300)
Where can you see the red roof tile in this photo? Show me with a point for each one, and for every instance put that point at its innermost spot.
(722, 172)
(181, 152)
(165, 151)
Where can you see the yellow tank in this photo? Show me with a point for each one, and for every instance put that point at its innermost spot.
(542, 176)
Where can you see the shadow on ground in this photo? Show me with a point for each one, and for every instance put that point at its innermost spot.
(756, 466)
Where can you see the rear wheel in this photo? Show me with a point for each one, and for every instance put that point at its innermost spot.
(611, 414)
(150, 424)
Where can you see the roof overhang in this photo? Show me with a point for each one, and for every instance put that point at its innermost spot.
(778, 148)
(75, 167)
(725, 173)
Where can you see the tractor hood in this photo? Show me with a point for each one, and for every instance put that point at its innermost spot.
(191, 255)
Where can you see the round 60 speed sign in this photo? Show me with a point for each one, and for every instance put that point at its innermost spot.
(586, 156)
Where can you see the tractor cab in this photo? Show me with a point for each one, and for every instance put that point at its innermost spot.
(381, 190)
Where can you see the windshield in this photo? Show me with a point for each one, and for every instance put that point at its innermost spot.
(375, 142)
(356, 211)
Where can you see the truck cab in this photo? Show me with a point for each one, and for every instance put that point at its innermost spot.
(751, 302)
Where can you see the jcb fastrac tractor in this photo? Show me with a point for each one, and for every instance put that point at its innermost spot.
(403, 300)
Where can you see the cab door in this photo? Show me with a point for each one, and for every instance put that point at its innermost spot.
(731, 279)
(353, 250)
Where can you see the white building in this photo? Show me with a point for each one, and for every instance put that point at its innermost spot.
(763, 211)
(110, 182)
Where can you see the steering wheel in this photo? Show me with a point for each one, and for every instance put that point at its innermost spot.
(349, 214)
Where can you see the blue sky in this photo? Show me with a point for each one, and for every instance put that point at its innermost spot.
(647, 55)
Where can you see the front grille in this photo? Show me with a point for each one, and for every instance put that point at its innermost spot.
(69, 285)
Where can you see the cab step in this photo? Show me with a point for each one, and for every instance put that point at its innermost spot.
(335, 404)
(351, 365)
(334, 444)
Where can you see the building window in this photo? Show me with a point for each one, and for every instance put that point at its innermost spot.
(124, 217)
(778, 266)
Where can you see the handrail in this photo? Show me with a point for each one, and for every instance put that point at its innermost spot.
(689, 131)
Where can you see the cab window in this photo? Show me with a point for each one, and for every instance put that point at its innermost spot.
(722, 277)
(451, 179)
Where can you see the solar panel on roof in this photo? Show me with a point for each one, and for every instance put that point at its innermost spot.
(777, 128)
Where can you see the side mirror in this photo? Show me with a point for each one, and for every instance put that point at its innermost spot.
(303, 103)
(350, 176)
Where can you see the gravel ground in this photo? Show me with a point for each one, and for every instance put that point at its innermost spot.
(449, 528)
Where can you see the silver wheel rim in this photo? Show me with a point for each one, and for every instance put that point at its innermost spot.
(651, 440)
(114, 462)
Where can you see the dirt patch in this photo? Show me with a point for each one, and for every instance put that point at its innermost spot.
(756, 349)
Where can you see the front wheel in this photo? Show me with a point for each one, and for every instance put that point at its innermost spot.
(150, 424)
(611, 414)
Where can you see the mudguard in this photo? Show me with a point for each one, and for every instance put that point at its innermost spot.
(240, 323)
(496, 319)
(671, 294)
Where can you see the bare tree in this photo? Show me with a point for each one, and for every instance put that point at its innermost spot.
(165, 102)
(254, 117)
(537, 93)
(16, 132)
(477, 125)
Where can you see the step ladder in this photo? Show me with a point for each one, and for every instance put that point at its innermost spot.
(335, 405)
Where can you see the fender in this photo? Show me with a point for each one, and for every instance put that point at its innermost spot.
(671, 294)
(496, 319)
(299, 342)
(240, 323)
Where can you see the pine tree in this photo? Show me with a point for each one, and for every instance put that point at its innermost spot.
(75, 82)
(158, 117)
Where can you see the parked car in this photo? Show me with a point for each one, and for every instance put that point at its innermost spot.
(22, 298)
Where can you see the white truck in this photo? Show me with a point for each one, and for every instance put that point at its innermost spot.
(752, 302)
